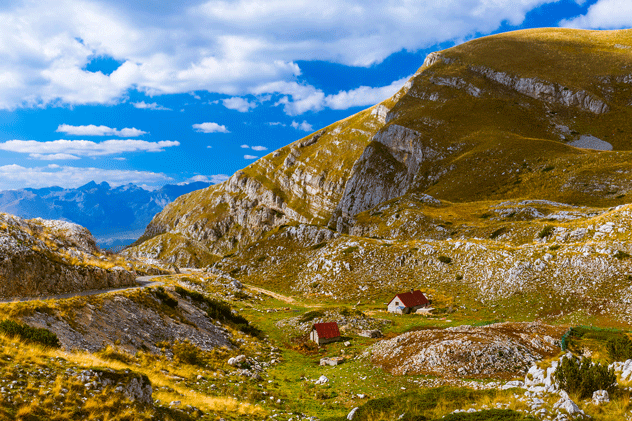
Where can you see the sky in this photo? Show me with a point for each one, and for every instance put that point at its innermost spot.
(154, 92)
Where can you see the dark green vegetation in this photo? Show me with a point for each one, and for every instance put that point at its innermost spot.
(583, 377)
(423, 405)
(606, 344)
(219, 310)
(29, 334)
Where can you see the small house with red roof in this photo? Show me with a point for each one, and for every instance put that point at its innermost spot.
(408, 302)
(324, 333)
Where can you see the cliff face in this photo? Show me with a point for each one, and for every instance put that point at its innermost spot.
(302, 182)
(43, 257)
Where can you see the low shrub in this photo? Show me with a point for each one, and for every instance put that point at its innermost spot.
(619, 348)
(168, 300)
(445, 259)
(186, 352)
(621, 255)
(546, 231)
(30, 334)
(496, 233)
(583, 377)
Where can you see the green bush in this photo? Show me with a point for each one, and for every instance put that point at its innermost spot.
(445, 259)
(546, 231)
(162, 295)
(621, 255)
(220, 310)
(619, 348)
(583, 377)
(29, 334)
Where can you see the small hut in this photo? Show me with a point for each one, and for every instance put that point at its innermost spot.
(324, 333)
(408, 302)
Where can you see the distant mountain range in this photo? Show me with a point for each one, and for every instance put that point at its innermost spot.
(115, 216)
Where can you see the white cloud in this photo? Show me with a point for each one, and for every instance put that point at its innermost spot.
(215, 178)
(227, 47)
(304, 126)
(54, 157)
(276, 123)
(604, 14)
(92, 130)
(151, 106)
(250, 157)
(210, 128)
(71, 149)
(16, 176)
(240, 104)
(298, 99)
(255, 148)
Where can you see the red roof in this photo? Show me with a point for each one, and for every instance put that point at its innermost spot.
(327, 330)
(412, 298)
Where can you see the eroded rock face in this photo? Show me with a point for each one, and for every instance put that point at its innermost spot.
(134, 323)
(40, 257)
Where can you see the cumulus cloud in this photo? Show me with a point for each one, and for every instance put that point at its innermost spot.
(92, 130)
(250, 157)
(240, 104)
(298, 99)
(304, 126)
(215, 178)
(255, 148)
(604, 14)
(222, 46)
(276, 123)
(16, 176)
(210, 128)
(150, 106)
(72, 149)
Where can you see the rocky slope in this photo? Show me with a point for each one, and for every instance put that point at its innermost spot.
(495, 174)
(43, 257)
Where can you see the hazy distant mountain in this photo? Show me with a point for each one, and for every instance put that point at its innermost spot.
(115, 216)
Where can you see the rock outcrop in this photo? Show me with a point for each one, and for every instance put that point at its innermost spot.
(44, 258)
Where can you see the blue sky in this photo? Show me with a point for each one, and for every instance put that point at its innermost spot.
(156, 92)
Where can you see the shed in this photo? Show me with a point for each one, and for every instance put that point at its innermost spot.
(407, 302)
(324, 333)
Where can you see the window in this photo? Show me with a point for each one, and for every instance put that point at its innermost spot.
(396, 303)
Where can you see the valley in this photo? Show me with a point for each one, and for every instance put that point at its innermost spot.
(498, 187)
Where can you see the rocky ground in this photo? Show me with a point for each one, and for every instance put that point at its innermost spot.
(498, 350)
(349, 321)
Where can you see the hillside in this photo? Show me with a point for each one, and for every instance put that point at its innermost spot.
(42, 257)
(113, 215)
(502, 164)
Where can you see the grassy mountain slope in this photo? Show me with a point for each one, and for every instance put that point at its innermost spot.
(493, 178)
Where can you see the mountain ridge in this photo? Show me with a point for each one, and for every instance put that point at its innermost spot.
(111, 214)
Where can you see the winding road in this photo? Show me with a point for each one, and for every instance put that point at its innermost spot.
(142, 282)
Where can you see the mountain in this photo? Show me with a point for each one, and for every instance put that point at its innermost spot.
(499, 172)
(115, 216)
